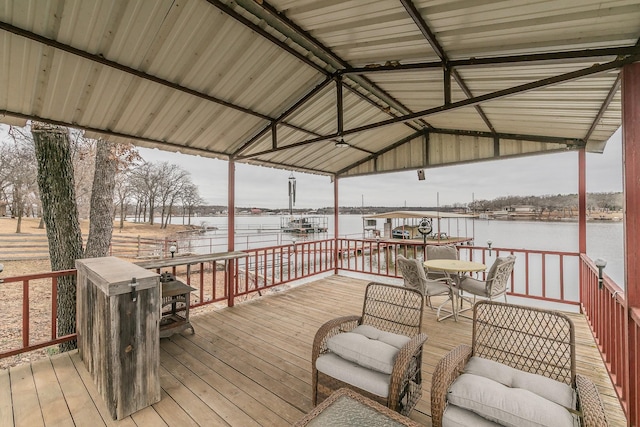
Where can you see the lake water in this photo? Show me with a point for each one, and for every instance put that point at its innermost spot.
(604, 239)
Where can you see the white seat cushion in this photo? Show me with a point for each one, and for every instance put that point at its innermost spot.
(455, 416)
(368, 347)
(396, 340)
(506, 405)
(552, 390)
(354, 374)
(474, 286)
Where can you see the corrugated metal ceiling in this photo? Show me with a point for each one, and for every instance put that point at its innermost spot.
(258, 81)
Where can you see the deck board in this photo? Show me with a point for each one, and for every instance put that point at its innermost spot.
(6, 403)
(25, 398)
(246, 365)
(80, 402)
(49, 394)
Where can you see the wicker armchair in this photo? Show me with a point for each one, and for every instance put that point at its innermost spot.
(532, 340)
(393, 311)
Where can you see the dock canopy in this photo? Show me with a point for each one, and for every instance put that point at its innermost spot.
(417, 215)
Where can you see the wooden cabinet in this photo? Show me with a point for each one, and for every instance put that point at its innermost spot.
(118, 332)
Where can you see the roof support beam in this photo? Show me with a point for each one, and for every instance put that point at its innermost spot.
(159, 143)
(447, 84)
(318, 49)
(448, 68)
(498, 60)
(101, 60)
(603, 107)
(302, 101)
(247, 23)
(550, 81)
(274, 135)
(339, 106)
(374, 156)
(608, 99)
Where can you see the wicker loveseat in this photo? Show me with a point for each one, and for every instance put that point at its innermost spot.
(377, 354)
(519, 370)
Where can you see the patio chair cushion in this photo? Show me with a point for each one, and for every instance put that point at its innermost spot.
(454, 416)
(552, 390)
(351, 373)
(508, 406)
(368, 347)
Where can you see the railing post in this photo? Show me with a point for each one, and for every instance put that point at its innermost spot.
(630, 175)
(229, 281)
(25, 313)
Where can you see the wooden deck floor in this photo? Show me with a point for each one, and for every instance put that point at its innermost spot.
(245, 366)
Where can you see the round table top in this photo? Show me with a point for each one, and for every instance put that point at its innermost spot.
(454, 265)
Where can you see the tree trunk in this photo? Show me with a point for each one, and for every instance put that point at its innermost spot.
(60, 214)
(100, 219)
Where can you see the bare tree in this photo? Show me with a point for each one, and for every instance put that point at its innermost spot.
(147, 179)
(174, 178)
(19, 175)
(60, 213)
(190, 200)
(122, 193)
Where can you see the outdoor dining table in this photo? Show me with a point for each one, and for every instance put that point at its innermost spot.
(450, 266)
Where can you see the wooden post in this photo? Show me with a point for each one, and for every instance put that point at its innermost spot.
(231, 233)
(336, 216)
(118, 332)
(631, 185)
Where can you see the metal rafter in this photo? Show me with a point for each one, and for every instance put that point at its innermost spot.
(496, 137)
(607, 101)
(449, 72)
(603, 107)
(550, 81)
(141, 74)
(313, 92)
(327, 51)
(513, 136)
(171, 145)
(247, 23)
(498, 60)
(374, 156)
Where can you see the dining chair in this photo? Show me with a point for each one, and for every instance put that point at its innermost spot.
(495, 284)
(416, 278)
(441, 252)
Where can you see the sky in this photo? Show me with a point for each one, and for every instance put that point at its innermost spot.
(267, 188)
(539, 175)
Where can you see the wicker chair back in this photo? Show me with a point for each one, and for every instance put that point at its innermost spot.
(393, 308)
(532, 340)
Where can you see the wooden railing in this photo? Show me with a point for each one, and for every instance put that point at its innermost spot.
(17, 312)
(272, 266)
(604, 306)
(541, 275)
